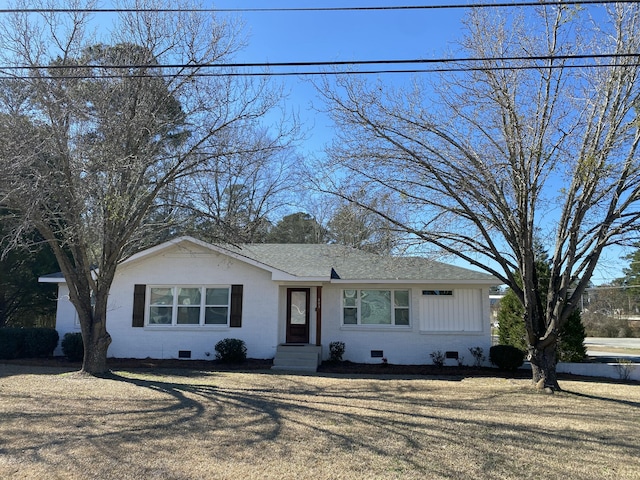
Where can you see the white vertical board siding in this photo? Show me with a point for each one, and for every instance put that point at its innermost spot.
(460, 312)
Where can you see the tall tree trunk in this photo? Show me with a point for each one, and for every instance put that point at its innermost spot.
(95, 336)
(543, 366)
(95, 353)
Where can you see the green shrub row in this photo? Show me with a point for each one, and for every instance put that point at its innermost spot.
(27, 342)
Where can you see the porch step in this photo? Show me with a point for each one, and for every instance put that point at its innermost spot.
(297, 357)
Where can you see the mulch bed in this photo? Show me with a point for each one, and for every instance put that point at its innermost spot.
(147, 363)
(346, 367)
(427, 370)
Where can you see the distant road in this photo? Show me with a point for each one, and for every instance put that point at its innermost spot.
(613, 342)
(613, 348)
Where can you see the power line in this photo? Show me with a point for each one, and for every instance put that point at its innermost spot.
(318, 9)
(320, 72)
(590, 56)
(231, 68)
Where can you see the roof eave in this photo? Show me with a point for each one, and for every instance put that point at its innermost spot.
(488, 282)
(279, 276)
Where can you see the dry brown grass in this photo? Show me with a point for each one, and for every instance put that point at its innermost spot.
(197, 425)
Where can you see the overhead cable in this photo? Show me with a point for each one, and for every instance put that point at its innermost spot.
(318, 9)
(231, 69)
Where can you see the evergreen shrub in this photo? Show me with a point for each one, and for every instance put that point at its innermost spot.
(506, 357)
(73, 346)
(231, 350)
(511, 330)
(11, 343)
(27, 342)
(40, 342)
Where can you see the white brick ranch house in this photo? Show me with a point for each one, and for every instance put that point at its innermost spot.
(178, 299)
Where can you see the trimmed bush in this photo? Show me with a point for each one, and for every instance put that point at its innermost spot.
(336, 351)
(40, 342)
(506, 357)
(231, 350)
(73, 346)
(11, 343)
(27, 342)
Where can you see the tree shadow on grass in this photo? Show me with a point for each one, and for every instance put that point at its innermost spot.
(411, 425)
(275, 410)
(617, 401)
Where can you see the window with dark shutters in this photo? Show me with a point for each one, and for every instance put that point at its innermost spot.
(139, 292)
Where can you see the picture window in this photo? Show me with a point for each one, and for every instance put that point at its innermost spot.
(189, 305)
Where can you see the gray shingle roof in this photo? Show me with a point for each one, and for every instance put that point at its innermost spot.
(335, 262)
(318, 260)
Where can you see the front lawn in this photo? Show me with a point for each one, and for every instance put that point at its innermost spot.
(186, 424)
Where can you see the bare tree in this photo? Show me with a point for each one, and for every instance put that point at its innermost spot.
(361, 228)
(96, 128)
(236, 198)
(299, 227)
(510, 150)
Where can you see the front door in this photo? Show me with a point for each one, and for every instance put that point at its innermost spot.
(298, 315)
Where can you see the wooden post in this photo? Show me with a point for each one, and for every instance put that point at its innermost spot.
(318, 315)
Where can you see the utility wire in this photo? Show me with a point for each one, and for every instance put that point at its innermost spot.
(316, 72)
(319, 9)
(593, 56)
(268, 65)
(230, 69)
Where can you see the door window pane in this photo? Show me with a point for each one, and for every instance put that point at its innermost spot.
(298, 308)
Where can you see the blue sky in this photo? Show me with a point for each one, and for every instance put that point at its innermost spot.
(351, 35)
(345, 35)
(357, 35)
(340, 36)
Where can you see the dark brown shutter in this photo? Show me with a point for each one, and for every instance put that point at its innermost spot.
(139, 292)
(235, 319)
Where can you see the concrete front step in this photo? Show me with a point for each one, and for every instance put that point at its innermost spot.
(298, 357)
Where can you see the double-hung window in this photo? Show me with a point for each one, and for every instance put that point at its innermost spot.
(375, 307)
(189, 305)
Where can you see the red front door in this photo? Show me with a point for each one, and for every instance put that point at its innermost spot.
(298, 300)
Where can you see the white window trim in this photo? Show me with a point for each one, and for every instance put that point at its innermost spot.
(375, 326)
(174, 325)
